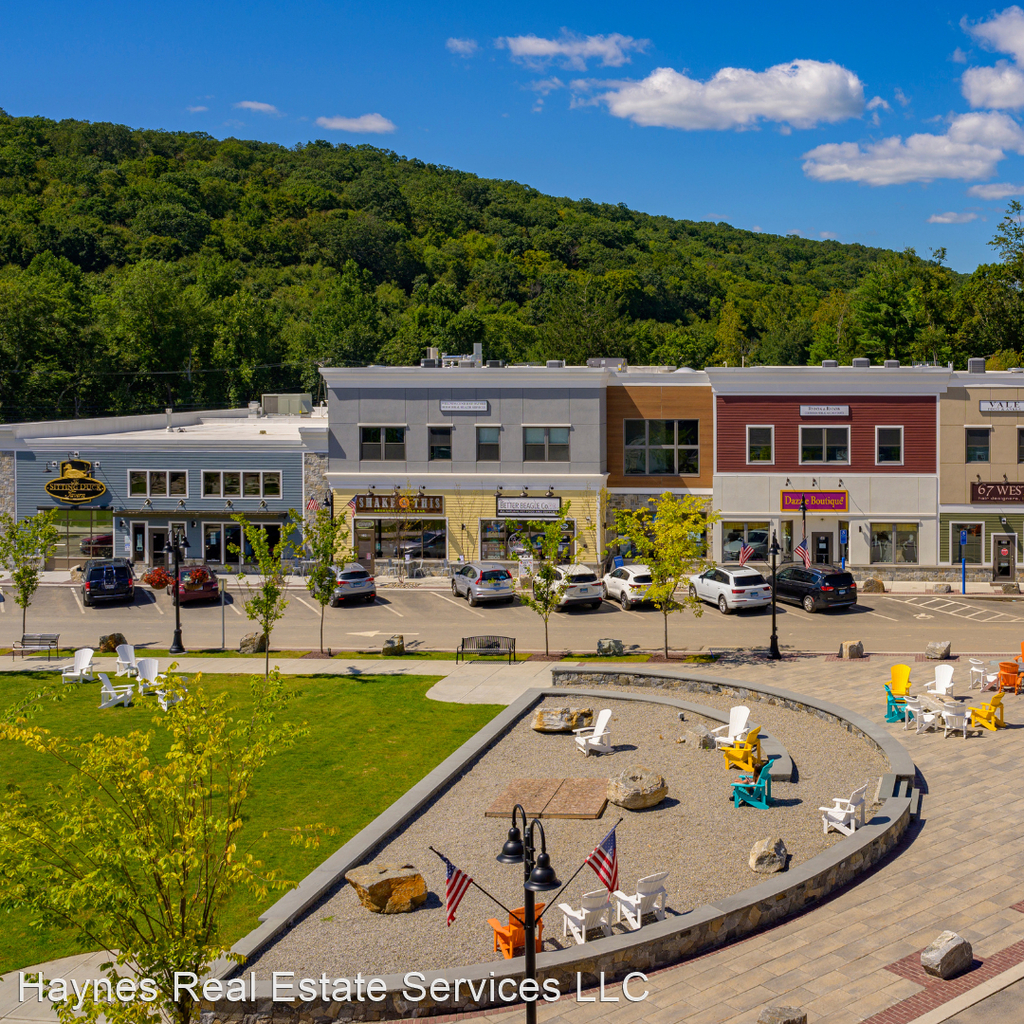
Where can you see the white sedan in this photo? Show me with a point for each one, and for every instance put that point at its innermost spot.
(732, 589)
(628, 585)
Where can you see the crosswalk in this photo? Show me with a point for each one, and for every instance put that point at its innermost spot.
(958, 609)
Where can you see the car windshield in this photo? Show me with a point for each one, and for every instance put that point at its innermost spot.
(493, 575)
(750, 579)
(839, 579)
(643, 578)
(583, 577)
(356, 574)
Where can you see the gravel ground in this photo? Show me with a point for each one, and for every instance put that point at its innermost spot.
(696, 834)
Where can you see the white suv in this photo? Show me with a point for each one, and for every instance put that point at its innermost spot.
(732, 589)
(581, 586)
(628, 585)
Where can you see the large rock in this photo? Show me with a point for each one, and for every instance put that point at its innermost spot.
(850, 649)
(394, 645)
(938, 588)
(1010, 588)
(768, 856)
(388, 888)
(110, 643)
(637, 787)
(872, 586)
(562, 719)
(937, 650)
(947, 956)
(75, 575)
(698, 736)
(609, 647)
(252, 643)
(782, 1015)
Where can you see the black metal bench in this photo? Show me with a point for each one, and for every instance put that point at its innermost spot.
(35, 642)
(499, 645)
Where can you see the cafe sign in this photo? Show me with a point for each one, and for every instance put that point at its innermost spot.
(817, 501)
(75, 485)
(997, 493)
(399, 504)
(541, 507)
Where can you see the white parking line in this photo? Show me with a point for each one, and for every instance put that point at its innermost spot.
(315, 611)
(78, 600)
(459, 604)
(881, 616)
(392, 610)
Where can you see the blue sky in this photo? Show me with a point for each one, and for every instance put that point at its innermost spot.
(895, 124)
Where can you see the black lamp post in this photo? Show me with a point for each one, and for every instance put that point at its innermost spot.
(538, 876)
(179, 544)
(773, 646)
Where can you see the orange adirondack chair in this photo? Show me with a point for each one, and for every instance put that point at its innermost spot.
(990, 714)
(745, 755)
(1009, 676)
(508, 938)
(899, 682)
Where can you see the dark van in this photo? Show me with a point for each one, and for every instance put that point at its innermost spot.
(816, 587)
(107, 579)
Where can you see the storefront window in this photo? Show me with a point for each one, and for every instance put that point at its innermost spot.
(395, 538)
(786, 541)
(894, 543)
(83, 533)
(734, 535)
(505, 540)
(972, 550)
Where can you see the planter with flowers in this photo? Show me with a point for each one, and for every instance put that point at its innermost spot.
(157, 578)
(196, 578)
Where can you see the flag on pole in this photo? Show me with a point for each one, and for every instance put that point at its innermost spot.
(352, 503)
(456, 884)
(313, 505)
(803, 552)
(605, 862)
(746, 553)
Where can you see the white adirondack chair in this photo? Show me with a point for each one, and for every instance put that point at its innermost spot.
(595, 737)
(595, 909)
(111, 695)
(649, 899)
(942, 684)
(978, 673)
(82, 668)
(168, 698)
(148, 670)
(954, 718)
(126, 663)
(727, 735)
(842, 815)
(923, 718)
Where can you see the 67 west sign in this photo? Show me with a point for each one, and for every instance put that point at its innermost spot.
(997, 493)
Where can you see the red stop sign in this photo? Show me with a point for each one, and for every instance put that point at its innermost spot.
(1004, 551)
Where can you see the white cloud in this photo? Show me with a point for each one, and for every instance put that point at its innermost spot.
(901, 97)
(996, 190)
(463, 47)
(952, 218)
(260, 108)
(546, 85)
(802, 93)
(971, 148)
(1003, 33)
(1000, 87)
(958, 56)
(827, 234)
(367, 124)
(196, 110)
(877, 101)
(613, 50)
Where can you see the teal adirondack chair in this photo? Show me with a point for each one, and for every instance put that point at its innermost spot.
(894, 706)
(758, 794)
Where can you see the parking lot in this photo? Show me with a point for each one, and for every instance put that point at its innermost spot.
(433, 619)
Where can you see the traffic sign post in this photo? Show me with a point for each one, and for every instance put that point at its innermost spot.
(963, 562)
(843, 538)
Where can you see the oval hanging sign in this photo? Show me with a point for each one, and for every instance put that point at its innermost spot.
(74, 485)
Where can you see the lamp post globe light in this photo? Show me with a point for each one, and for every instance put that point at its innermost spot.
(773, 645)
(179, 544)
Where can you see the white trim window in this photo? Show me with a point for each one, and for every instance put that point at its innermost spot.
(825, 445)
(241, 483)
(894, 543)
(974, 550)
(545, 444)
(760, 445)
(661, 447)
(158, 483)
(888, 446)
(382, 444)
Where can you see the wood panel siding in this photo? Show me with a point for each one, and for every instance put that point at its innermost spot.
(668, 402)
(916, 414)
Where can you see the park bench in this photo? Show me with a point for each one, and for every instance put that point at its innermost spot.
(31, 642)
(499, 645)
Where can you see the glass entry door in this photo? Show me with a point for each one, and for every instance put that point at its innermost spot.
(158, 545)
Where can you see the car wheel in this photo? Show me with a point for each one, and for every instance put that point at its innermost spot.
(808, 603)
(334, 602)
(693, 591)
(86, 601)
(625, 601)
(723, 605)
(455, 589)
(595, 605)
(371, 598)
(471, 598)
(510, 600)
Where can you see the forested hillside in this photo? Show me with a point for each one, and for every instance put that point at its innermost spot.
(140, 269)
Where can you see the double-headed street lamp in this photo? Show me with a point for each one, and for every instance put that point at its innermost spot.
(773, 646)
(179, 547)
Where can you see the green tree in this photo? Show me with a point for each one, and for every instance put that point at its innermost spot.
(889, 308)
(25, 545)
(266, 602)
(1009, 241)
(668, 537)
(323, 538)
(141, 842)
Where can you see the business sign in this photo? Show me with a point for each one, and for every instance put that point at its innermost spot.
(987, 406)
(527, 508)
(75, 485)
(824, 410)
(467, 405)
(399, 504)
(997, 493)
(817, 501)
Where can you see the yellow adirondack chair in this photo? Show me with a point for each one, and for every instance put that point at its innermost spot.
(745, 755)
(900, 681)
(990, 714)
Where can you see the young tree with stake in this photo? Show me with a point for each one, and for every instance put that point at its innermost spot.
(25, 546)
(322, 537)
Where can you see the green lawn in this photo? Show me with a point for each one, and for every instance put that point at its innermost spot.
(365, 749)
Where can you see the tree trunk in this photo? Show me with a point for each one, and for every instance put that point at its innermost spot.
(664, 616)
(546, 651)
(266, 663)
(24, 612)
(321, 629)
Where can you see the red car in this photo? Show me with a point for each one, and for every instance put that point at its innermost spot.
(198, 583)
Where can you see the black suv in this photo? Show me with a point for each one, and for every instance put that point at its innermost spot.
(107, 579)
(815, 587)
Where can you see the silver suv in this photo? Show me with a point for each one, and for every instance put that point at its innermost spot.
(483, 581)
(578, 585)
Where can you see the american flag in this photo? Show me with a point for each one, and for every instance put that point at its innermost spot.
(803, 552)
(313, 505)
(352, 503)
(746, 552)
(605, 862)
(455, 887)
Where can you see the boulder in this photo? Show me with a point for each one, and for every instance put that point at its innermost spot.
(851, 649)
(75, 574)
(1010, 588)
(947, 955)
(252, 643)
(782, 1015)
(939, 588)
(937, 650)
(388, 888)
(699, 737)
(872, 586)
(394, 645)
(562, 719)
(637, 787)
(609, 647)
(768, 856)
(110, 643)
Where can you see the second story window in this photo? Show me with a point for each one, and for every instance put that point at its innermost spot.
(977, 439)
(761, 445)
(824, 444)
(440, 444)
(545, 444)
(231, 483)
(488, 444)
(888, 446)
(159, 483)
(661, 447)
(382, 444)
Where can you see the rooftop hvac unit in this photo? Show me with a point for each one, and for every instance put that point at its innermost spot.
(555, 364)
(829, 364)
(608, 362)
(288, 405)
(861, 363)
(975, 365)
(892, 364)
